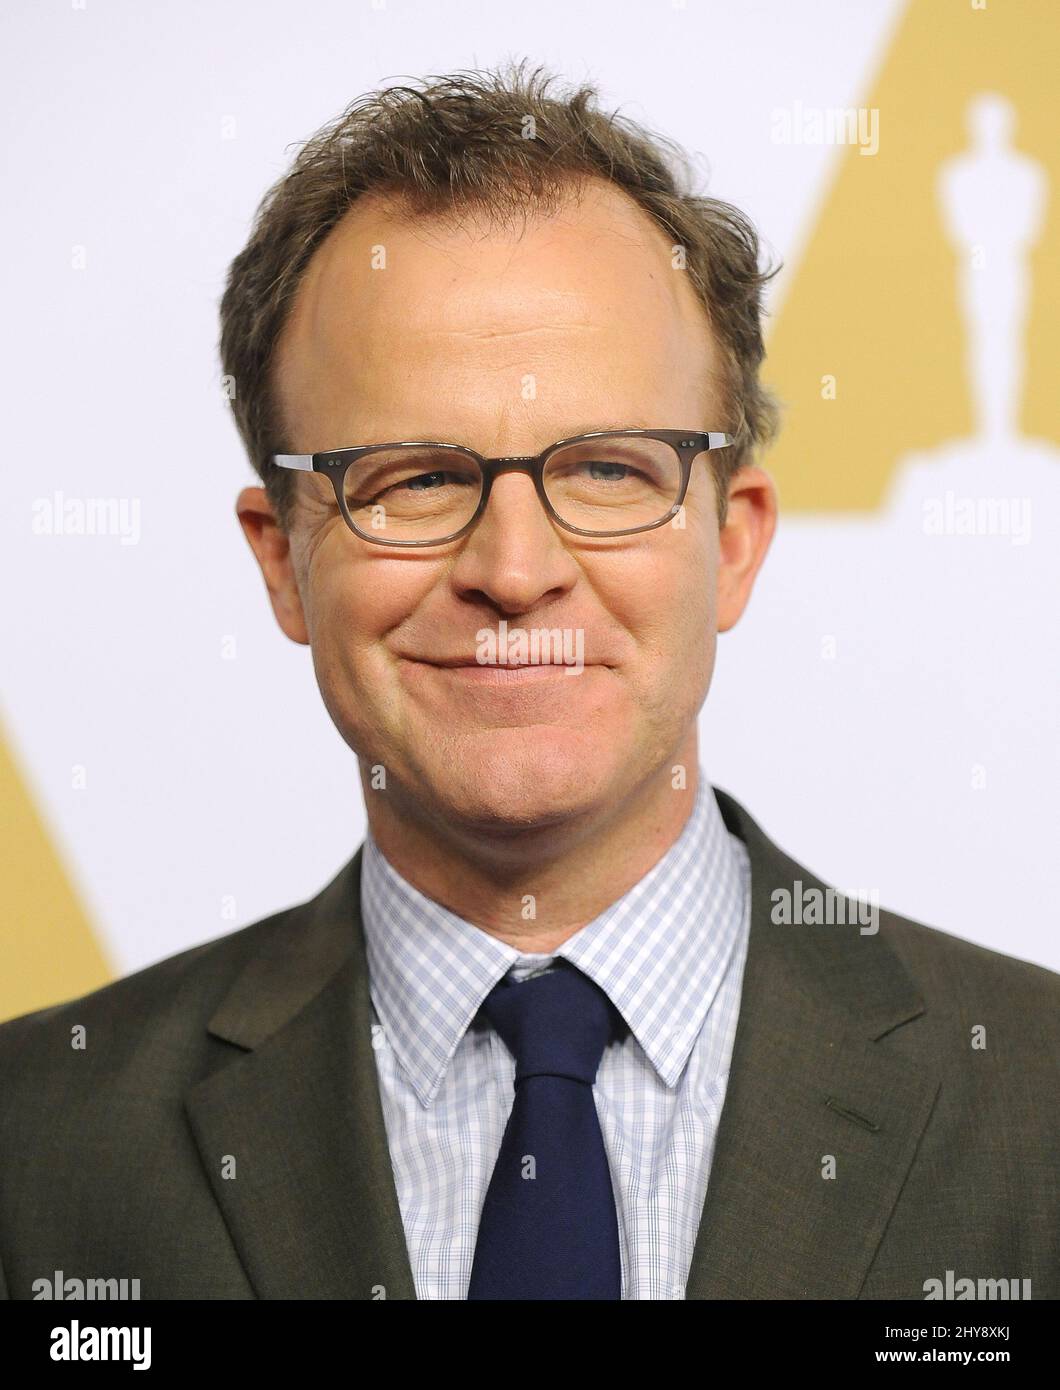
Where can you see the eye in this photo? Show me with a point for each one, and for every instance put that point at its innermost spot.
(404, 477)
(602, 471)
(423, 482)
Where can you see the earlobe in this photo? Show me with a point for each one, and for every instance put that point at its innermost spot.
(272, 550)
(743, 541)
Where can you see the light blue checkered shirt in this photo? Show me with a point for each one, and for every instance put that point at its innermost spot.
(670, 955)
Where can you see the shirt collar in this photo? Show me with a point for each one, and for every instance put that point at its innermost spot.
(659, 952)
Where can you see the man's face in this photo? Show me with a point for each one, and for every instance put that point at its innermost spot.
(505, 341)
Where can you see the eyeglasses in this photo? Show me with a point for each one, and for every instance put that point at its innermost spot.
(610, 483)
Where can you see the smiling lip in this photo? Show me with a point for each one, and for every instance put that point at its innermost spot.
(501, 673)
(456, 661)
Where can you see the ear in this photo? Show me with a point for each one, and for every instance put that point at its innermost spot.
(272, 549)
(743, 541)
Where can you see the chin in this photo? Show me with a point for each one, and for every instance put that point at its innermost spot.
(524, 778)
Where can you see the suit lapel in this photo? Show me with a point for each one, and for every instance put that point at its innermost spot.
(809, 1079)
(312, 1206)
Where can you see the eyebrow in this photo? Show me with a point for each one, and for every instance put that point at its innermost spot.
(571, 433)
(602, 429)
(577, 430)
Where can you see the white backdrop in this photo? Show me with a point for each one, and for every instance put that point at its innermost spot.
(871, 678)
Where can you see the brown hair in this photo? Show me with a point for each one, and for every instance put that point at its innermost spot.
(497, 142)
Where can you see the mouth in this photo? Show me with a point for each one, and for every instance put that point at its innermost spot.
(501, 673)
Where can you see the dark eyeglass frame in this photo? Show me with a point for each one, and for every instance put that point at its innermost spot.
(687, 444)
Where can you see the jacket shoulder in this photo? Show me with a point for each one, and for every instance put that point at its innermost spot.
(954, 977)
(159, 1012)
(951, 968)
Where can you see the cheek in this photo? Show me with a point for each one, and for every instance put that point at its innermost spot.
(352, 610)
(665, 599)
(352, 602)
(354, 598)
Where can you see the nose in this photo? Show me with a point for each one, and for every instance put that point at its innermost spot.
(514, 558)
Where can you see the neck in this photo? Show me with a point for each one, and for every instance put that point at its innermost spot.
(535, 890)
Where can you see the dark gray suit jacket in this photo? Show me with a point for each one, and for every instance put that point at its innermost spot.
(255, 1049)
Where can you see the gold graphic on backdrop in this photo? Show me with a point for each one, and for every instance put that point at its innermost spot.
(46, 944)
(882, 302)
(992, 199)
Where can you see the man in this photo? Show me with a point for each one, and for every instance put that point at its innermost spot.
(561, 1028)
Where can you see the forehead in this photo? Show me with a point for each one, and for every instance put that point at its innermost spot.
(391, 299)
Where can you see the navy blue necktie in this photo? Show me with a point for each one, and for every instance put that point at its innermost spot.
(548, 1228)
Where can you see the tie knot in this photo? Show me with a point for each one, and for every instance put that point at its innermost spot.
(554, 1024)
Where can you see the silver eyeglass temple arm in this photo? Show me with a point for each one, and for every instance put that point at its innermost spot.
(301, 461)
